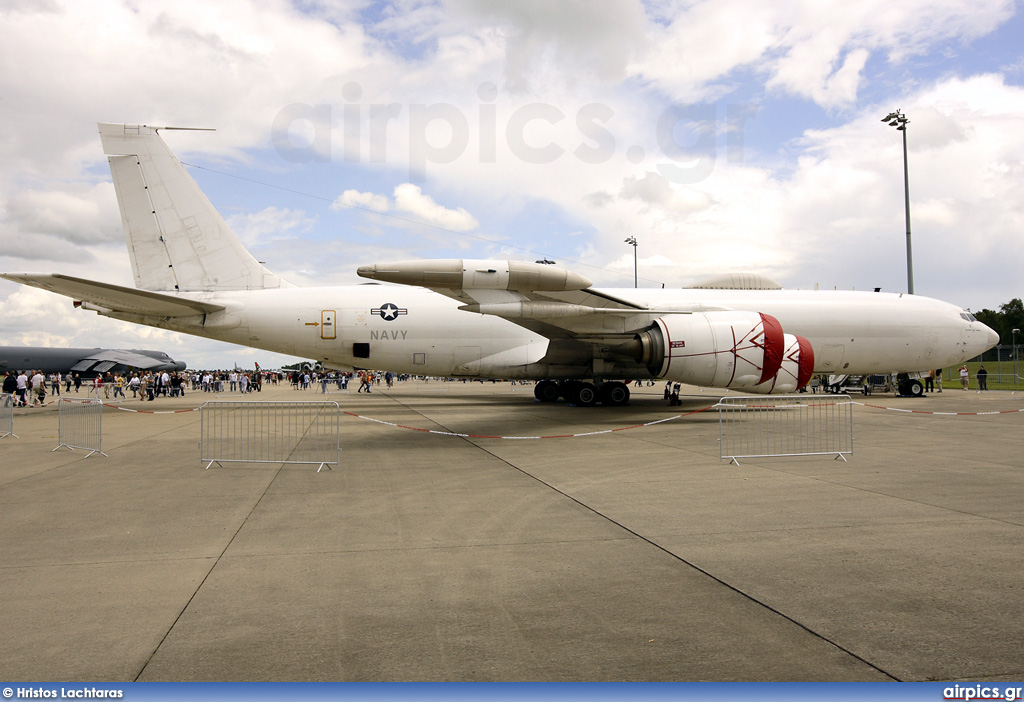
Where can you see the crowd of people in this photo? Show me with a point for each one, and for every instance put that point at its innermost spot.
(306, 379)
(21, 386)
(30, 388)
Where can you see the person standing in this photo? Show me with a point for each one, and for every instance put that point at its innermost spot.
(10, 387)
(982, 378)
(965, 376)
(22, 386)
(38, 388)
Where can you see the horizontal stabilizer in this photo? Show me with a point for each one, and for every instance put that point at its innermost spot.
(115, 297)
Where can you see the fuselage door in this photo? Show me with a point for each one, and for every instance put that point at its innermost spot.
(328, 328)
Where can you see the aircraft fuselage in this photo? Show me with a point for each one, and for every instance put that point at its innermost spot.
(414, 330)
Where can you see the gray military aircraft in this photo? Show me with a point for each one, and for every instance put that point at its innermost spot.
(84, 361)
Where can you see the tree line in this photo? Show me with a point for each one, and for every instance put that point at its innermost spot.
(1009, 317)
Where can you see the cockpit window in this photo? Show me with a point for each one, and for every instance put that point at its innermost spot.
(968, 317)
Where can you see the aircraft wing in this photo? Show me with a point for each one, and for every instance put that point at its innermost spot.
(115, 297)
(105, 359)
(546, 299)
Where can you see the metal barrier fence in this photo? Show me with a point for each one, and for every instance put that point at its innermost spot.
(7, 403)
(270, 432)
(80, 425)
(785, 425)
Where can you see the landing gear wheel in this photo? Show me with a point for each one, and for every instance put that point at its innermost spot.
(910, 388)
(582, 394)
(614, 393)
(546, 391)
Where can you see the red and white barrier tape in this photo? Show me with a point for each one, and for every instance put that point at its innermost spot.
(943, 414)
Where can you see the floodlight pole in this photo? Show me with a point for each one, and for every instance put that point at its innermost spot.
(632, 240)
(906, 202)
(899, 120)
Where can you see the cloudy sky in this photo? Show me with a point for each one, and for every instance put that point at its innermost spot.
(724, 135)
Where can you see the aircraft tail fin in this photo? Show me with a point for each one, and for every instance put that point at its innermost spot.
(177, 241)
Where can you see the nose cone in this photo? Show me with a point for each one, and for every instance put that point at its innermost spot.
(993, 338)
(981, 338)
(975, 337)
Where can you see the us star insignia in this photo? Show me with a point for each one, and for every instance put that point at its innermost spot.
(389, 311)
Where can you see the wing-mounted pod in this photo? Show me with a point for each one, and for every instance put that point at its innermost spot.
(478, 274)
(723, 349)
(797, 368)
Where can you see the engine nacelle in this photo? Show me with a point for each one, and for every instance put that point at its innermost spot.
(727, 349)
(797, 368)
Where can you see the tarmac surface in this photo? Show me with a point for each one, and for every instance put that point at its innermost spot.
(635, 554)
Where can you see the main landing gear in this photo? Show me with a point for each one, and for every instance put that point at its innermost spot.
(583, 394)
(909, 387)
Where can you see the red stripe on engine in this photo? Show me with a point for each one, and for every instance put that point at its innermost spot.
(774, 347)
(806, 368)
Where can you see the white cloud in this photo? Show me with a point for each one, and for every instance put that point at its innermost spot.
(410, 199)
(802, 73)
(656, 189)
(85, 216)
(232, 65)
(814, 50)
(365, 201)
(562, 41)
(701, 44)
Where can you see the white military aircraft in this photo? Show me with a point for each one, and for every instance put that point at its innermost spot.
(491, 318)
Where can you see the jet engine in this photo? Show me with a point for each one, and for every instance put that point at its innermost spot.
(722, 349)
(727, 349)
